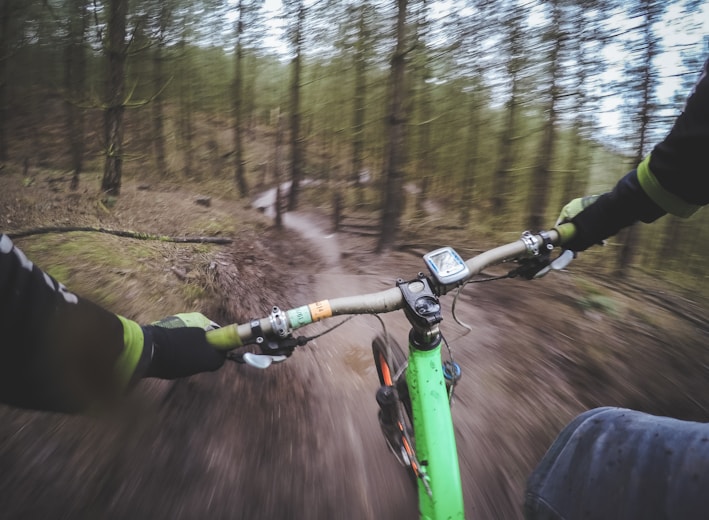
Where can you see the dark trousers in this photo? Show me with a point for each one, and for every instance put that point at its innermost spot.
(613, 463)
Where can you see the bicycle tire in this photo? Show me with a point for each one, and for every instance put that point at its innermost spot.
(389, 362)
(389, 359)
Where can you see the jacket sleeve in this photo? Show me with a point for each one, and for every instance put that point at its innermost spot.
(58, 351)
(676, 175)
(673, 179)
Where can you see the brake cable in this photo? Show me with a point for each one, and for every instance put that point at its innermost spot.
(326, 331)
(467, 327)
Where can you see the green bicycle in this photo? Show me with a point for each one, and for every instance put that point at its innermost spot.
(416, 390)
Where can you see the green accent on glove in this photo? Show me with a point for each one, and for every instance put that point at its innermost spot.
(563, 225)
(575, 207)
(187, 319)
(670, 202)
(133, 341)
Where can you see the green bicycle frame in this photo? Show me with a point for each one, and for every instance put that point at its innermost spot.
(434, 436)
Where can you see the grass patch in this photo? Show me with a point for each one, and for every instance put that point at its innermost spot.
(212, 227)
(130, 277)
(598, 302)
(593, 298)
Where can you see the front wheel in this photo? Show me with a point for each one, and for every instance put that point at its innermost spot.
(394, 402)
(389, 358)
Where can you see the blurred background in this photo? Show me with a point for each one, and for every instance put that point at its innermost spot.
(403, 125)
(500, 111)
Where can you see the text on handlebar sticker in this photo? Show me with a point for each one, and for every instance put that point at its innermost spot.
(320, 310)
(299, 317)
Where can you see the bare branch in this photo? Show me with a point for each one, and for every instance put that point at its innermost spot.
(120, 233)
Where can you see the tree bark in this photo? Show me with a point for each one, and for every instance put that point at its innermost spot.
(6, 10)
(74, 85)
(507, 148)
(359, 98)
(296, 140)
(649, 12)
(426, 160)
(396, 130)
(186, 107)
(238, 100)
(159, 82)
(541, 183)
(115, 103)
(472, 154)
(158, 116)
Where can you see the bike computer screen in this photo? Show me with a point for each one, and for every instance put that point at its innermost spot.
(446, 265)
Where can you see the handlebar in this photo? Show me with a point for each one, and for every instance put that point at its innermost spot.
(280, 324)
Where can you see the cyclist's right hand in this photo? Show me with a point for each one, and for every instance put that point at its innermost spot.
(571, 236)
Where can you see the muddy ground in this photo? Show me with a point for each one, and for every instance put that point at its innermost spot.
(301, 440)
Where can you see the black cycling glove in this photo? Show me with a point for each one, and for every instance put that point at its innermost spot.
(177, 347)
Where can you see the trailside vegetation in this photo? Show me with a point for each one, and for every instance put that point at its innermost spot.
(492, 112)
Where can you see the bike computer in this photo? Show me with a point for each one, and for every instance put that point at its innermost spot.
(446, 266)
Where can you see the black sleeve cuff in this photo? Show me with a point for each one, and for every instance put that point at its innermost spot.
(613, 211)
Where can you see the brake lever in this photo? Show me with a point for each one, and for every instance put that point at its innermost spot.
(537, 267)
(261, 361)
(558, 264)
(271, 352)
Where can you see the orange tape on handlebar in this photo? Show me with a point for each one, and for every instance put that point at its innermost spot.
(320, 310)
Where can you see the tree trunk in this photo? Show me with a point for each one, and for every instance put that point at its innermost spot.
(158, 114)
(540, 175)
(360, 95)
(185, 108)
(296, 140)
(74, 85)
(472, 154)
(159, 83)
(425, 163)
(238, 100)
(396, 134)
(6, 8)
(507, 150)
(506, 153)
(113, 114)
(647, 87)
(277, 172)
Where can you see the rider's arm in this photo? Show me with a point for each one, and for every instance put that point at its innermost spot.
(61, 352)
(672, 179)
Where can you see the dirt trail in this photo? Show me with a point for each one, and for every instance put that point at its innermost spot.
(377, 485)
(494, 460)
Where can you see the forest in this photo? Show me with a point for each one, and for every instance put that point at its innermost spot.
(498, 112)
(459, 122)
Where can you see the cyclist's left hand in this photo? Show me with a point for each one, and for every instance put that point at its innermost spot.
(180, 348)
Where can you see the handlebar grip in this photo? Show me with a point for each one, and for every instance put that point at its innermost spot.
(566, 232)
(225, 338)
